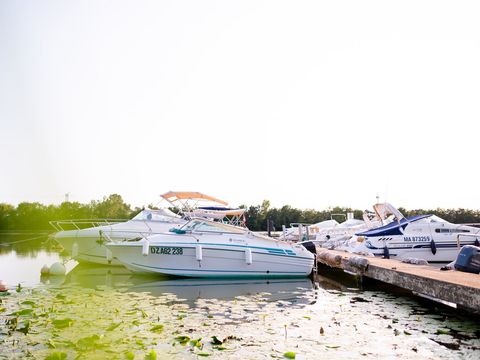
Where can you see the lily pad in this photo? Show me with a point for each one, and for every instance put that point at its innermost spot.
(183, 340)
(113, 326)
(215, 341)
(56, 356)
(89, 343)
(21, 312)
(152, 355)
(157, 328)
(443, 332)
(62, 323)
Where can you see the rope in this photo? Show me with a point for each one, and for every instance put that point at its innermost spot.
(24, 240)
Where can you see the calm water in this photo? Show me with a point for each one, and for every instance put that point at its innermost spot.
(105, 312)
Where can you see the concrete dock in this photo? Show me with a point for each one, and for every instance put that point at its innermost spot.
(460, 288)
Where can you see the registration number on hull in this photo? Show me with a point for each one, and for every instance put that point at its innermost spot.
(166, 250)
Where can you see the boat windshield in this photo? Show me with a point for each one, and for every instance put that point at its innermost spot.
(435, 218)
(157, 215)
(210, 226)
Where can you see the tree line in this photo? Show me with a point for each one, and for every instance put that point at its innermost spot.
(34, 216)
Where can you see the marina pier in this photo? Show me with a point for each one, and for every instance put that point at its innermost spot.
(454, 287)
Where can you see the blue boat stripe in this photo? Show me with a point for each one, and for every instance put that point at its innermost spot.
(230, 271)
(218, 283)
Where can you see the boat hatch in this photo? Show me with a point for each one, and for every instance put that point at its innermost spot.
(163, 215)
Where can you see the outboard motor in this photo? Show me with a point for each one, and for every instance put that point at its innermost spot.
(310, 246)
(468, 259)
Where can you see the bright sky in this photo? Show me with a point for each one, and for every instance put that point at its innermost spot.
(307, 103)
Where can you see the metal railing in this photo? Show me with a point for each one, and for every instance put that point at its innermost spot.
(64, 225)
(476, 236)
(110, 235)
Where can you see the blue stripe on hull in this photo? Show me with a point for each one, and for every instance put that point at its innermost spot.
(226, 273)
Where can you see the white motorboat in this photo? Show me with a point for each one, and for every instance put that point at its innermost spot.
(86, 245)
(302, 231)
(425, 237)
(342, 235)
(85, 241)
(334, 233)
(204, 248)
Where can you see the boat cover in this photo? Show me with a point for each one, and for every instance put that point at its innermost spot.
(394, 228)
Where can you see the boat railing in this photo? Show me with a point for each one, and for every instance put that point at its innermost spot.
(472, 224)
(78, 224)
(297, 224)
(476, 236)
(136, 235)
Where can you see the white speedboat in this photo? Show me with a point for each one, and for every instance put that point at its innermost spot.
(85, 242)
(425, 237)
(302, 231)
(204, 248)
(86, 245)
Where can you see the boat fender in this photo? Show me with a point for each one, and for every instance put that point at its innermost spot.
(45, 270)
(476, 243)
(145, 247)
(3, 286)
(359, 263)
(198, 252)
(109, 255)
(58, 269)
(74, 250)
(248, 256)
(386, 253)
(433, 247)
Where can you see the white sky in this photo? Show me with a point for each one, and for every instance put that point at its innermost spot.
(307, 103)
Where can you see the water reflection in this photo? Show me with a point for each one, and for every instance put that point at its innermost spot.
(188, 290)
(20, 263)
(113, 312)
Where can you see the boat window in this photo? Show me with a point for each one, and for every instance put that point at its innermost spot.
(207, 226)
(450, 231)
(190, 225)
(154, 216)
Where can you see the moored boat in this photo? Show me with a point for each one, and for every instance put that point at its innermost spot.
(426, 237)
(84, 239)
(204, 248)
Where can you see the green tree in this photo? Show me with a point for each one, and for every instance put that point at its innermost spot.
(111, 207)
(7, 211)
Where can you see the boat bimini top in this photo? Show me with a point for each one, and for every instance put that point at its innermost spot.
(195, 204)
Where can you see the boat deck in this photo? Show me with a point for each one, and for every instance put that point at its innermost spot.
(460, 288)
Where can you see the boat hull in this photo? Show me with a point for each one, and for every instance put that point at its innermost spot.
(86, 249)
(87, 245)
(216, 260)
(433, 252)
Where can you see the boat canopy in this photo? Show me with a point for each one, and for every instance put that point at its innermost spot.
(393, 228)
(173, 196)
(192, 204)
